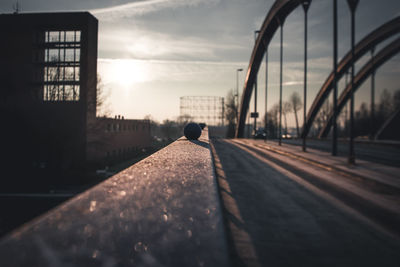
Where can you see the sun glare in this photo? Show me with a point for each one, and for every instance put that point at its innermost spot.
(128, 72)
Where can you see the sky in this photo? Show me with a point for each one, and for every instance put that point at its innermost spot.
(152, 52)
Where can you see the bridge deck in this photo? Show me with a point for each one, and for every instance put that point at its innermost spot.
(282, 207)
(377, 164)
(283, 212)
(162, 211)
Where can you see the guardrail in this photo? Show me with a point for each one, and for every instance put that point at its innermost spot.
(163, 211)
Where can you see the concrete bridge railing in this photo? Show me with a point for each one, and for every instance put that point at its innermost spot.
(163, 211)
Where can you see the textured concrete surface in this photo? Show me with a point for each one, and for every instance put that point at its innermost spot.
(368, 187)
(369, 170)
(162, 211)
(383, 152)
(275, 217)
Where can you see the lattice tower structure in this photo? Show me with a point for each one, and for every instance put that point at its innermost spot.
(203, 109)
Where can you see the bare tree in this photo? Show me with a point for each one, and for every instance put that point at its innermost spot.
(97, 123)
(286, 108)
(272, 124)
(169, 129)
(55, 76)
(154, 125)
(396, 99)
(296, 103)
(323, 115)
(102, 106)
(182, 120)
(231, 113)
(385, 105)
(362, 121)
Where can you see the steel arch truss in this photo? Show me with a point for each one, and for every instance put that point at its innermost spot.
(384, 55)
(390, 128)
(370, 41)
(275, 18)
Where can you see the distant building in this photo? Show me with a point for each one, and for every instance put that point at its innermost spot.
(48, 79)
(206, 109)
(116, 139)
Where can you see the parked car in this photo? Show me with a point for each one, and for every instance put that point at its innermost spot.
(260, 134)
(287, 136)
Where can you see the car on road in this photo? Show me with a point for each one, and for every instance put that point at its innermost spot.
(260, 134)
(287, 136)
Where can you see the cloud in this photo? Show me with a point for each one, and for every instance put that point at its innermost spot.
(149, 44)
(299, 82)
(143, 7)
(162, 70)
(177, 30)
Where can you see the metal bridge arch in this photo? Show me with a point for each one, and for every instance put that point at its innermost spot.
(275, 18)
(377, 36)
(384, 55)
(392, 123)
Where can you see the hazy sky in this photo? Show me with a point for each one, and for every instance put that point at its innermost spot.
(152, 52)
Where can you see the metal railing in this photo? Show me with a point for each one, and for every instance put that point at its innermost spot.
(163, 211)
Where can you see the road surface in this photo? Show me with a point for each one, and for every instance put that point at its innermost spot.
(381, 153)
(276, 218)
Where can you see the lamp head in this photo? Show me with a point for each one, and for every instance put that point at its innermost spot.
(352, 4)
(306, 4)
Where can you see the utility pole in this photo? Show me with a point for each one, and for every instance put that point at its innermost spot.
(237, 90)
(353, 5)
(16, 8)
(266, 94)
(255, 91)
(372, 119)
(334, 128)
(280, 84)
(306, 5)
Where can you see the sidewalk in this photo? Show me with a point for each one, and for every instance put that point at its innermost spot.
(366, 170)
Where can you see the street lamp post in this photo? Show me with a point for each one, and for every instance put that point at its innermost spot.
(255, 90)
(306, 5)
(237, 95)
(372, 119)
(353, 5)
(237, 86)
(266, 94)
(346, 111)
(280, 21)
(334, 128)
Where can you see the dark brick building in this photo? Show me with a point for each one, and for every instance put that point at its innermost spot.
(48, 76)
(116, 139)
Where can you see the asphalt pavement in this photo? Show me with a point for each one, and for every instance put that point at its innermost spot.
(387, 153)
(276, 217)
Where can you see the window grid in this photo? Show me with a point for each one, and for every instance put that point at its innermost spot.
(62, 66)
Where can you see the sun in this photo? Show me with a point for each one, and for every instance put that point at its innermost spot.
(127, 72)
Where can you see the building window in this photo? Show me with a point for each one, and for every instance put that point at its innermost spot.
(61, 68)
